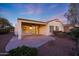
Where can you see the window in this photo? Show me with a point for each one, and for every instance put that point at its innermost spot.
(51, 28)
(57, 28)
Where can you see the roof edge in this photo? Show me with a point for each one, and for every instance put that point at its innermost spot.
(30, 20)
(39, 21)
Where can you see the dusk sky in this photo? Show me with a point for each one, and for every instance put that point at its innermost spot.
(42, 12)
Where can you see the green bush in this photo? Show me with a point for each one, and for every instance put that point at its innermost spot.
(74, 33)
(59, 34)
(23, 51)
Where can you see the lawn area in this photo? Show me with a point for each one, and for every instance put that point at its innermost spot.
(4, 39)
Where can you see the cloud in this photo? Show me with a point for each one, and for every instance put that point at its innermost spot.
(59, 16)
(34, 11)
(31, 9)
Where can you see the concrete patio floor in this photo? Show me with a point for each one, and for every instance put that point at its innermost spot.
(30, 41)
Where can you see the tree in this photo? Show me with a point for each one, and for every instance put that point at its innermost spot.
(73, 18)
(4, 22)
(5, 26)
(73, 14)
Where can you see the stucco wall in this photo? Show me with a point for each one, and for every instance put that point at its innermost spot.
(55, 23)
(43, 30)
(18, 29)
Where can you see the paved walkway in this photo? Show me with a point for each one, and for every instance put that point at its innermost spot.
(30, 41)
(4, 39)
(59, 47)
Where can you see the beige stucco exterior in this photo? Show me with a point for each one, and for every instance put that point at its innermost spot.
(46, 30)
(43, 27)
(56, 23)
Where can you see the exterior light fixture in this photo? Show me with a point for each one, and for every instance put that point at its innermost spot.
(30, 28)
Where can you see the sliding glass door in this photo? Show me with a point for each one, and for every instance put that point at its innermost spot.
(30, 29)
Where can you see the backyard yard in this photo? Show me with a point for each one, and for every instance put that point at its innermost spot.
(54, 36)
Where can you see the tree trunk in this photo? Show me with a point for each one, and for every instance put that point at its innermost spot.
(76, 48)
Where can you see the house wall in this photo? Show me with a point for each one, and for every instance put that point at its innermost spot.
(43, 30)
(54, 23)
(18, 29)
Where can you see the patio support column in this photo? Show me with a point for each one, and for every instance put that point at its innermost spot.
(19, 30)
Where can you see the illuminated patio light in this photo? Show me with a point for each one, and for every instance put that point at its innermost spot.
(30, 27)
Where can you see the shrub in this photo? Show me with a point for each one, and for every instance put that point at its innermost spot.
(60, 33)
(74, 33)
(23, 51)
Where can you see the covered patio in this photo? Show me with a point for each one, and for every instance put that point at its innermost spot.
(29, 27)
